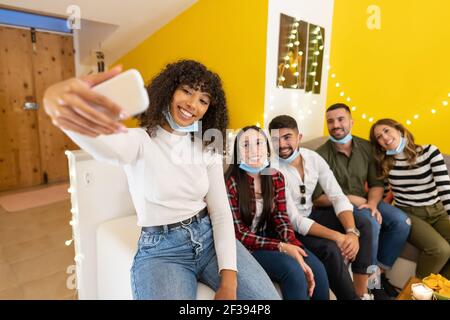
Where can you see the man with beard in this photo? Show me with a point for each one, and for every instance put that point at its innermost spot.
(352, 161)
(334, 236)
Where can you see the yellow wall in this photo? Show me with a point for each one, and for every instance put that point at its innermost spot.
(398, 71)
(229, 37)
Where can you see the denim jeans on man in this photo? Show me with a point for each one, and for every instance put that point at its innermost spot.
(169, 263)
(390, 237)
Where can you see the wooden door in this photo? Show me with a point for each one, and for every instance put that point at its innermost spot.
(20, 164)
(53, 61)
(31, 148)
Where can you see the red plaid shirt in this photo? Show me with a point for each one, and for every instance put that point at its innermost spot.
(280, 219)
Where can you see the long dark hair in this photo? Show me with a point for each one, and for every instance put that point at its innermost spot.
(243, 188)
(386, 162)
(198, 77)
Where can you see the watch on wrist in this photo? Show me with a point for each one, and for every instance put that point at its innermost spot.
(354, 231)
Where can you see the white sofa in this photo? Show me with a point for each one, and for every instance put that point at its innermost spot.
(105, 231)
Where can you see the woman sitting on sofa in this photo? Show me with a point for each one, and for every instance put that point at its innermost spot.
(177, 202)
(420, 183)
(257, 198)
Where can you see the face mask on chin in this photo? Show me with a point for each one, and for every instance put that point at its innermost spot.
(401, 146)
(175, 126)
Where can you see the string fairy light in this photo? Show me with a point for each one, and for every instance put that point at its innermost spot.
(293, 50)
(364, 116)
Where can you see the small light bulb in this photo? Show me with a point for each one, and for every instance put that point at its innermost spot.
(292, 37)
(312, 73)
(416, 116)
(296, 74)
(300, 53)
(286, 58)
(315, 64)
(445, 103)
(290, 45)
(342, 93)
(314, 41)
(297, 43)
(408, 122)
(258, 125)
(294, 31)
(353, 108)
(68, 242)
(316, 83)
(364, 116)
(319, 37)
(433, 111)
(294, 65)
(370, 119)
(333, 75)
(338, 84)
(348, 99)
(316, 53)
(296, 24)
(286, 65)
(321, 48)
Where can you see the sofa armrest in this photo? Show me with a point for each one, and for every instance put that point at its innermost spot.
(99, 192)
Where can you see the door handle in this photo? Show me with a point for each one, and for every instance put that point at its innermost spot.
(30, 106)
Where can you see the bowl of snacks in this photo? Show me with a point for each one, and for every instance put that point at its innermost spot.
(440, 286)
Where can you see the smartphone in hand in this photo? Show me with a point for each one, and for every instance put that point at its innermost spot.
(127, 90)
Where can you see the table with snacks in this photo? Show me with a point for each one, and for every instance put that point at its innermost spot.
(433, 287)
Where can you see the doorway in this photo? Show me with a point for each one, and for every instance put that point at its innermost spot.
(31, 148)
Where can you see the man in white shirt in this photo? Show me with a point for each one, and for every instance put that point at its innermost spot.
(336, 237)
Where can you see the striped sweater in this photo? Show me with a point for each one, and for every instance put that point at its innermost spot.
(425, 183)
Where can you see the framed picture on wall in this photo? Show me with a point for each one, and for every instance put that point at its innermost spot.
(291, 53)
(316, 46)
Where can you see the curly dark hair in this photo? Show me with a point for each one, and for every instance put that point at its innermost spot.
(198, 77)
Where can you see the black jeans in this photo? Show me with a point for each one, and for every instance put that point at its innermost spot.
(329, 253)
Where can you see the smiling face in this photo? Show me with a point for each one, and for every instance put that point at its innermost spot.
(252, 146)
(286, 141)
(387, 136)
(339, 123)
(188, 105)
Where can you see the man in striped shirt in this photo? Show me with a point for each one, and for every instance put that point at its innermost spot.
(352, 161)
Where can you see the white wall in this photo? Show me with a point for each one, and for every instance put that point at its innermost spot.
(307, 109)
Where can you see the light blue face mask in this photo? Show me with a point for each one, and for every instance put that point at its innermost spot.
(401, 146)
(249, 169)
(291, 158)
(344, 140)
(191, 128)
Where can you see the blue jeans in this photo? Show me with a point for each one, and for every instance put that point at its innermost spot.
(390, 237)
(169, 263)
(287, 272)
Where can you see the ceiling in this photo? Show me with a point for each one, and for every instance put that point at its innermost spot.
(129, 22)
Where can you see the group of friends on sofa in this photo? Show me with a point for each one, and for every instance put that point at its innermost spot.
(281, 213)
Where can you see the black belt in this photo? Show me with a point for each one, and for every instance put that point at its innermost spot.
(186, 222)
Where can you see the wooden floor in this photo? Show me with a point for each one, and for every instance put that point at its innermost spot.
(33, 256)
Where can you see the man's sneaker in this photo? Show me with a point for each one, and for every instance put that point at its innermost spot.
(380, 294)
(388, 287)
(367, 296)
